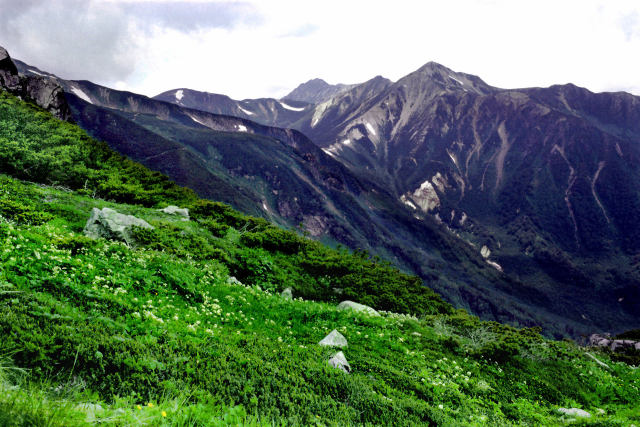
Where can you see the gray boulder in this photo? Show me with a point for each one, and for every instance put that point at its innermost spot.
(231, 280)
(350, 305)
(334, 339)
(574, 412)
(110, 224)
(338, 361)
(287, 294)
(175, 210)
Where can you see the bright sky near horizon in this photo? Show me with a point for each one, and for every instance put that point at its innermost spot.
(265, 48)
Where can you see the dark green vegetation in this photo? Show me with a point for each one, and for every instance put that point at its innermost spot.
(95, 330)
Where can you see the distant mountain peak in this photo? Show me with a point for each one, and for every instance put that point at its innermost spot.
(436, 75)
(316, 91)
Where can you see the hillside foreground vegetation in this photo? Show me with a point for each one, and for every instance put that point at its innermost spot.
(185, 324)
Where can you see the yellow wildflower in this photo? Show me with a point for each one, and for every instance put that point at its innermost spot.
(164, 413)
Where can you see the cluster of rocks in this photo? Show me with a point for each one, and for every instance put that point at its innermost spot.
(335, 338)
(605, 341)
(44, 91)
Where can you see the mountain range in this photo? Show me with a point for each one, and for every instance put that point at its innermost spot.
(519, 205)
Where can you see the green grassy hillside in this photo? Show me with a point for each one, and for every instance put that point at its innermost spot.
(187, 326)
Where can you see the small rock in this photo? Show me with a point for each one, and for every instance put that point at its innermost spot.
(110, 224)
(574, 412)
(334, 339)
(175, 210)
(287, 294)
(350, 305)
(233, 281)
(338, 361)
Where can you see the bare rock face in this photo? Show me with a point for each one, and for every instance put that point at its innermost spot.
(45, 92)
(597, 340)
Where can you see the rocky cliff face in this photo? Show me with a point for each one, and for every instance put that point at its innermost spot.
(44, 91)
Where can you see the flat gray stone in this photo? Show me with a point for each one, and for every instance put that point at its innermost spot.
(338, 361)
(334, 339)
(350, 305)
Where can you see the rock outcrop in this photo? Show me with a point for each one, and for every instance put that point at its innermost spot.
(334, 339)
(43, 91)
(110, 224)
(605, 341)
(350, 305)
(8, 72)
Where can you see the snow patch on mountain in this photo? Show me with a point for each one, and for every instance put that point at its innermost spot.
(246, 111)
(241, 128)
(485, 251)
(80, 94)
(179, 95)
(196, 120)
(408, 202)
(35, 72)
(371, 129)
(289, 107)
(454, 79)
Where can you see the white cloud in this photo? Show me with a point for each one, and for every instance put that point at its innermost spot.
(277, 44)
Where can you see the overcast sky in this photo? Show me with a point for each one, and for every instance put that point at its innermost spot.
(264, 48)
